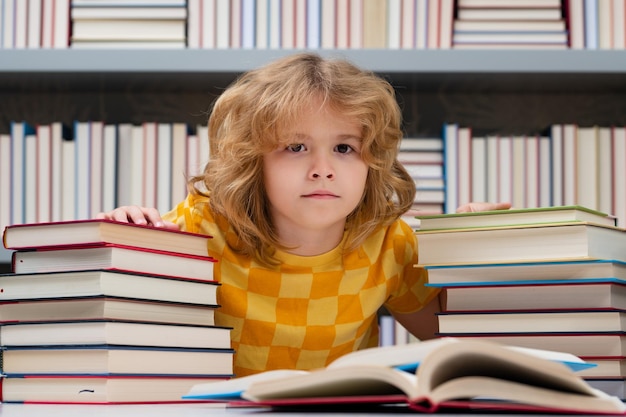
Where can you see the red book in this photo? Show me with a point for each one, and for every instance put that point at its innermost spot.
(97, 231)
(113, 257)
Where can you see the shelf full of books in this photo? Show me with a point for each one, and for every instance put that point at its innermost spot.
(56, 173)
(326, 24)
(548, 278)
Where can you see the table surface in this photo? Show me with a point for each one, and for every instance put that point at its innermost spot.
(190, 410)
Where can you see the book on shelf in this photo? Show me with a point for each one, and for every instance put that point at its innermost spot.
(116, 360)
(95, 389)
(405, 358)
(128, 12)
(532, 242)
(111, 256)
(105, 308)
(129, 30)
(114, 332)
(449, 275)
(107, 283)
(529, 13)
(93, 231)
(515, 217)
(543, 295)
(537, 321)
(455, 374)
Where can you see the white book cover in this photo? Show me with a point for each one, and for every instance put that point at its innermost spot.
(619, 175)
(408, 24)
(570, 158)
(446, 19)
(96, 165)
(61, 26)
(605, 26)
(179, 163)
(58, 134)
(519, 171)
(164, 167)
(576, 23)
(531, 179)
(492, 168)
(30, 178)
(618, 23)
(124, 162)
(421, 24)
(394, 27)
(274, 25)
(342, 27)
(33, 40)
(262, 24)
(288, 24)
(505, 169)
(222, 24)
(8, 25)
(109, 168)
(208, 25)
(301, 29)
(150, 139)
(313, 13)
(327, 27)
(21, 24)
(450, 134)
(194, 24)
(556, 137)
(19, 130)
(82, 162)
(137, 170)
(545, 172)
(235, 24)
(248, 24)
(587, 167)
(44, 169)
(479, 168)
(464, 174)
(356, 24)
(434, 21)
(591, 24)
(68, 190)
(5, 180)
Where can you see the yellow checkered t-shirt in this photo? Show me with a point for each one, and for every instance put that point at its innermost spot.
(308, 310)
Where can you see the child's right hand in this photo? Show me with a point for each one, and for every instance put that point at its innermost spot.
(138, 215)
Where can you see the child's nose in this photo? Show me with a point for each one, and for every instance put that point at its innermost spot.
(321, 168)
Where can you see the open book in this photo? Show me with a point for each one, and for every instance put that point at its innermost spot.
(450, 372)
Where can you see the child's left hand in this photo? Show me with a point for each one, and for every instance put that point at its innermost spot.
(473, 207)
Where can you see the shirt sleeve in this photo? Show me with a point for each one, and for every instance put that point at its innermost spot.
(410, 292)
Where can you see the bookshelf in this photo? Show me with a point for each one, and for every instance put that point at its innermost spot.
(490, 90)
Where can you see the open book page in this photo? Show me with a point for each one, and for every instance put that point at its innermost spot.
(403, 357)
(480, 358)
(471, 372)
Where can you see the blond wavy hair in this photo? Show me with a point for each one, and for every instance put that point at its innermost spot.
(248, 120)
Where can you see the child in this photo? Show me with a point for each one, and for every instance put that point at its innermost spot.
(302, 196)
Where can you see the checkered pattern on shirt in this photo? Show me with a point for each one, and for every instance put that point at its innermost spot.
(307, 311)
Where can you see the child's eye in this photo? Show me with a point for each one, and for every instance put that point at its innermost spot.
(344, 148)
(295, 147)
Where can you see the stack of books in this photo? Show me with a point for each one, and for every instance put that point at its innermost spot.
(98, 311)
(128, 24)
(509, 24)
(548, 278)
(423, 157)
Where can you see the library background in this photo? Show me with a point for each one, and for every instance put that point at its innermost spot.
(105, 102)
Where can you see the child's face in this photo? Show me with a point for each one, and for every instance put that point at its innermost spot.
(317, 180)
